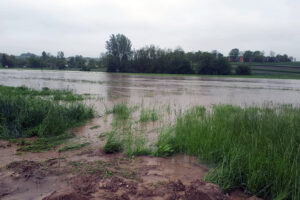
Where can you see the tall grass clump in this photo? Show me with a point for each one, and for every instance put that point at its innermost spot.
(148, 115)
(26, 116)
(113, 144)
(121, 110)
(254, 148)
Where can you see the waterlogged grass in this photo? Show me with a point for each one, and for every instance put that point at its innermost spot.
(121, 110)
(73, 147)
(113, 144)
(253, 148)
(24, 113)
(126, 137)
(148, 115)
(58, 95)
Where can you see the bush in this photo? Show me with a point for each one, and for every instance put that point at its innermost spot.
(243, 70)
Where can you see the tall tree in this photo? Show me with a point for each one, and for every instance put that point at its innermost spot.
(7, 61)
(234, 55)
(60, 60)
(248, 56)
(118, 51)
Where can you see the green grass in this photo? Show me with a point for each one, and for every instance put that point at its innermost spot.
(73, 147)
(148, 115)
(113, 144)
(253, 148)
(121, 110)
(24, 113)
(126, 137)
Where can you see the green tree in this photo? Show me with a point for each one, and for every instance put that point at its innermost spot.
(92, 64)
(234, 55)
(35, 62)
(248, 56)
(60, 60)
(119, 51)
(7, 61)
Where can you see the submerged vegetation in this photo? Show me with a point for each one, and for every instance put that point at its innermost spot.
(253, 148)
(121, 110)
(26, 113)
(148, 115)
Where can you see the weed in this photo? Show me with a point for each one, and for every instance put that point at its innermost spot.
(165, 144)
(113, 144)
(121, 110)
(108, 173)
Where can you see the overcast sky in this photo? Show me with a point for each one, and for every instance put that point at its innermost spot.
(82, 26)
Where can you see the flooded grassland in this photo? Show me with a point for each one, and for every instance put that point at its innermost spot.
(135, 146)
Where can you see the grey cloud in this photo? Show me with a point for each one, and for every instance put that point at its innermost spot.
(83, 26)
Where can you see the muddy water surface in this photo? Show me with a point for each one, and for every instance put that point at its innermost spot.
(180, 90)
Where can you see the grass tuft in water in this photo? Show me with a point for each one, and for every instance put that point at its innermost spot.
(253, 148)
(121, 110)
(148, 115)
(113, 144)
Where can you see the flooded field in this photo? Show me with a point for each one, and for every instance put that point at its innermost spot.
(182, 91)
(90, 173)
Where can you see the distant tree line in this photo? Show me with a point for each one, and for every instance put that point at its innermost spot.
(235, 55)
(121, 57)
(46, 60)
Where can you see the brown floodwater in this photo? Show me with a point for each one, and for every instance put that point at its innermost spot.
(154, 90)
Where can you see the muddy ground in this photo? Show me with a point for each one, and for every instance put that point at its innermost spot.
(89, 173)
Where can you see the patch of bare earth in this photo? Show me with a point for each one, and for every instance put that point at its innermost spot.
(110, 177)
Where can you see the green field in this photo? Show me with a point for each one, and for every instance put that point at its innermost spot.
(272, 69)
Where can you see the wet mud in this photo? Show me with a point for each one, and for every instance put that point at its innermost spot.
(110, 177)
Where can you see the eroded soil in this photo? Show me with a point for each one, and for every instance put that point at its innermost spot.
(91, 174)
